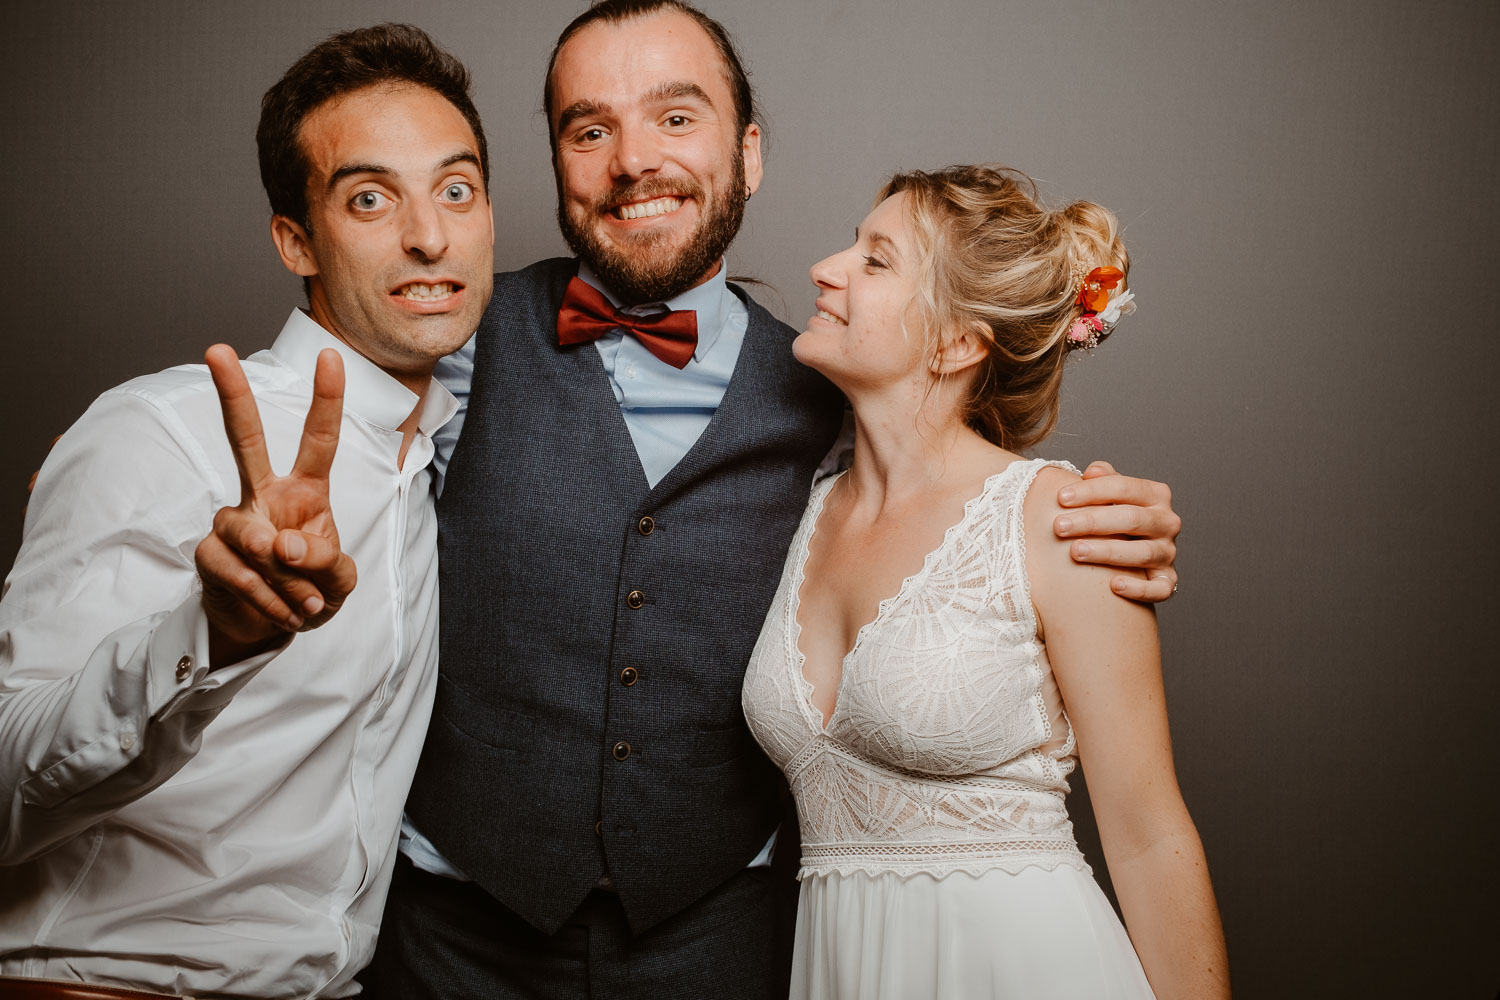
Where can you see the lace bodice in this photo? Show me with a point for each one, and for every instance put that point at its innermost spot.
(948, 748)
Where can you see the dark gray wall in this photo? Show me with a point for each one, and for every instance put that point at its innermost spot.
(1310, 193)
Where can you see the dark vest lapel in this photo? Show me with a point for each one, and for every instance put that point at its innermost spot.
(760, 368)
(594, 393)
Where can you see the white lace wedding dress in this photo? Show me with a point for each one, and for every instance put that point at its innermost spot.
(937, 856)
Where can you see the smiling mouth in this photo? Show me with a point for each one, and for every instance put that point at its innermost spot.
(829, 317)
(418, 291)
(647, 209)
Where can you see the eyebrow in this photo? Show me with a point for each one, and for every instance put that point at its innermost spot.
(350, 169)
(881, 239)
(677, 90)
(581, 109)
(673, 90)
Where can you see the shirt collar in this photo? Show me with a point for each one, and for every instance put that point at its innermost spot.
(369, 392)
(710, 300)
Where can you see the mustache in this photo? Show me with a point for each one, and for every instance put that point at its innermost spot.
(646, 189)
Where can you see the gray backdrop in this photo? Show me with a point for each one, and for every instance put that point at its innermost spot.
(1310, 199)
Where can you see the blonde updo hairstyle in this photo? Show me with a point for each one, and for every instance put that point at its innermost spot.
(996, 262)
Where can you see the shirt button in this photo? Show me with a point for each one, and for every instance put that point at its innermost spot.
(635, 600)
(127, 739)
(630, 371)
(621, 750)
(629, 676)
(646, 525)
(184, 667)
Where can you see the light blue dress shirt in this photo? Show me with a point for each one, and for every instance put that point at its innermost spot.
(665, 409)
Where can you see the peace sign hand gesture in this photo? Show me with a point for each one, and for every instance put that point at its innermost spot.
(272, 565)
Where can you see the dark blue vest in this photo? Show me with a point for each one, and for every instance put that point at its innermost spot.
(595, 631)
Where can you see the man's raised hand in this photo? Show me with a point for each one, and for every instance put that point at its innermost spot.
(272, 565)
(1126, 522)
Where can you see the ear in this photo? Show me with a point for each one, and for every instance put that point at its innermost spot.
(294, 246)
(754, 167)
(960, 353)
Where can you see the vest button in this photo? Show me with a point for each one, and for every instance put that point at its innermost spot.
(622, 750)
(629, 676)
(599, 828)
(635, 600)
(646, 524)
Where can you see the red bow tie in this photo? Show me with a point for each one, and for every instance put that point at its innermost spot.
(586, 315)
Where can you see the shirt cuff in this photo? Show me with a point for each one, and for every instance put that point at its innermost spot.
(177, 680)
(178, 665)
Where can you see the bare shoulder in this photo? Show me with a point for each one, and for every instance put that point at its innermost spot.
(1061, 588)
(1043, 493)
(1039, 510)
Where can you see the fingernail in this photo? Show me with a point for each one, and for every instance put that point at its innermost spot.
(294, 621)
(313, 605)
(1081, 549)
(296, 548)
(1064, 525)
(1065, 494)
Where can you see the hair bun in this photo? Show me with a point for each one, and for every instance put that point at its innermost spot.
(997, 260)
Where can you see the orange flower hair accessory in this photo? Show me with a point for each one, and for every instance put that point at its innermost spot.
(1093, 294)
(1100, 313)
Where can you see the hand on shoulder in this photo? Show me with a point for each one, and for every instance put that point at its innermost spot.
(1124, 522)
(1063, 589)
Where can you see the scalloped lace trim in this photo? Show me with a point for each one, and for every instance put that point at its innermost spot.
(939, 870)
(794, 630)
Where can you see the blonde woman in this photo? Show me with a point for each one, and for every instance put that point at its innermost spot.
(934, 664)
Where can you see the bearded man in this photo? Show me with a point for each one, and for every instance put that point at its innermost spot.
(590, 817)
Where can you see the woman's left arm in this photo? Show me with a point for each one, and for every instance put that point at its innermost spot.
(1106, 658)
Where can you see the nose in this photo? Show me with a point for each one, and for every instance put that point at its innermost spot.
(636, 152)
(423, 232)
(830, 272)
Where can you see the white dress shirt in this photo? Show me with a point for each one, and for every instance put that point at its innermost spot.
(229, 832)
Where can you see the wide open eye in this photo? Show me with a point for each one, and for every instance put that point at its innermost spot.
(369, 201)
(458, 193)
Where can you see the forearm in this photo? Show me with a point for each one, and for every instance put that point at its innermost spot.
(1173, 920)
(80, 740)
(104, 683)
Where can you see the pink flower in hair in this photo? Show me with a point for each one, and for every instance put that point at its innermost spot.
(1079, 331)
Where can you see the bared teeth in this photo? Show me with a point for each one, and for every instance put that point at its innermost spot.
(647, 209)
(426, 293)
(830, 317)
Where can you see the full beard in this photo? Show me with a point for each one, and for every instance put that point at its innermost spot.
(643, 268)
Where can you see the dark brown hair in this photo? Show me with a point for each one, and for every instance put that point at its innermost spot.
(615, 11)
(349, 61)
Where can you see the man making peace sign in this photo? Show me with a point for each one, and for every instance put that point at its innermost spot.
(142, 846)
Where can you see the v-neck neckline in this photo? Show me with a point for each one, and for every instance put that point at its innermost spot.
(798, 661)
